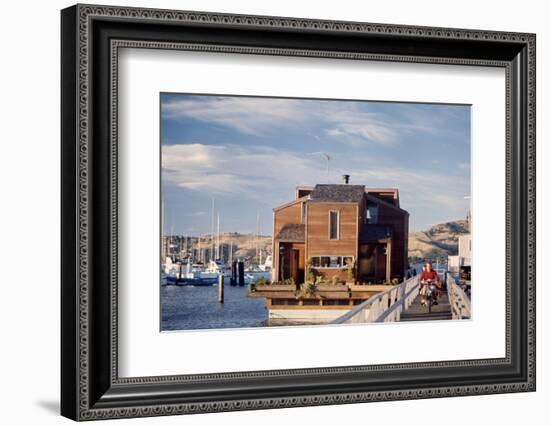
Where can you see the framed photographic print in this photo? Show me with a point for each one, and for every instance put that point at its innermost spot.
(263, 212)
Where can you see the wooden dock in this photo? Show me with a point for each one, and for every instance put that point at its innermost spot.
(417, 312)
(402, 303)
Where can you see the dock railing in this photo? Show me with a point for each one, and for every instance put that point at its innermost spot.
(459, 301)
(383, 307)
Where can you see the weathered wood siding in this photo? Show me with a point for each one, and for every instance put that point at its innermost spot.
(289, 214)
(399, 247)
(317, 233)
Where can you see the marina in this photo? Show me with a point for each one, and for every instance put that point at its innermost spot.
(267, 222)
(340, 257)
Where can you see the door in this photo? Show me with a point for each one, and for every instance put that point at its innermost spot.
(366, 262)
(372, 262)
(295, 265)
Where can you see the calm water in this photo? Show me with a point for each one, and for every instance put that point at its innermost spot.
(191, 308)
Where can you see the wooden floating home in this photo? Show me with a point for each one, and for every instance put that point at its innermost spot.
(349, 240)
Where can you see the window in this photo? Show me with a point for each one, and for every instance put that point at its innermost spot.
(335, 262)
(325, 261)
(333, 225)
(372, 213)
(347, 261)
(304, 212)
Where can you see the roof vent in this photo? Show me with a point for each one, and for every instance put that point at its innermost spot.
(345, 179)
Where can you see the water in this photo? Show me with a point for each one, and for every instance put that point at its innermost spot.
(193, 308)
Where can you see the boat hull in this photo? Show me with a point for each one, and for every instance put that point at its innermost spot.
(196, 282)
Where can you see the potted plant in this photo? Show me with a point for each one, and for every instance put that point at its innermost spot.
(350, 266)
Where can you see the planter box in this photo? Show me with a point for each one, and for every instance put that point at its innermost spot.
(370, 287)
(275, 287)
(332, 287)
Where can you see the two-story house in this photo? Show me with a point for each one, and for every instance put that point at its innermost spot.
(331, 226)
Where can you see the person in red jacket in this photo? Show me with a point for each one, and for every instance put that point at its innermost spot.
(428, 277)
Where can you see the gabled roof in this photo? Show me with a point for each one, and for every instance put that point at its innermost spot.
(296, 201)
(387, 194)
(375, 199)
(342, 193)
(292, 232)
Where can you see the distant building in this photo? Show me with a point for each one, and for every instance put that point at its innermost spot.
(333, 225)
(464, 258)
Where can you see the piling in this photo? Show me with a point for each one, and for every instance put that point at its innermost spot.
(233, 280)
(179, 277)
(220, 288)
(240, 273)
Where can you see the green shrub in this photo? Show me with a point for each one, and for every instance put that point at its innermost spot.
(309, 276)
(311, 289)
(261, 281)
(289, 281)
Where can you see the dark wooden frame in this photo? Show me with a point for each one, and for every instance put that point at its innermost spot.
(90, 386)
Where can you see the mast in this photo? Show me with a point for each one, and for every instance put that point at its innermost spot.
(218, 239)
(212, 233)
(199, 249)
(162, 236)
(258, 237)
(170, 251)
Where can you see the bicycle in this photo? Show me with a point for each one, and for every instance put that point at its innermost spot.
(429, 293)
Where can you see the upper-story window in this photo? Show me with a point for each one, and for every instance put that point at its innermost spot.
(304, 212)
(372, 213)
(333, 225)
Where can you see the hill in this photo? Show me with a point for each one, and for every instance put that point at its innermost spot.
(244, 245)
(440, 240)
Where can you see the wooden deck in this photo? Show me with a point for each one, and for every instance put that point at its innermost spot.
(417, 312)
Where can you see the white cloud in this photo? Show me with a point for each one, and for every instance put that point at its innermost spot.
(360, 130)
(268, 176)
(421, 189)
(267, 173)
(342, 121)
(252, 172)
(248, 115)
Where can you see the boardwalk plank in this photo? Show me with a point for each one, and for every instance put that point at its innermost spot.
(417, 312)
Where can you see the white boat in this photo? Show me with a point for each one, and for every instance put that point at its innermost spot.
(218, 267)
(254, 274)
(189, 274)
(267, 265)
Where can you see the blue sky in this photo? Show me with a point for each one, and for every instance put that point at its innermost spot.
(249, 154)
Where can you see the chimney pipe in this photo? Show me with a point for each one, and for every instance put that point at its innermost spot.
(345, 179)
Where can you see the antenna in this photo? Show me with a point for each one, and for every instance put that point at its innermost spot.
(328, 158)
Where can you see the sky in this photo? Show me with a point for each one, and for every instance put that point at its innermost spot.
(247, 154)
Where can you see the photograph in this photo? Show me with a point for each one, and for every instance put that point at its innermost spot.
(297, 211)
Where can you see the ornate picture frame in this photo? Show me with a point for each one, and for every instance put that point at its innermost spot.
(91, 37)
